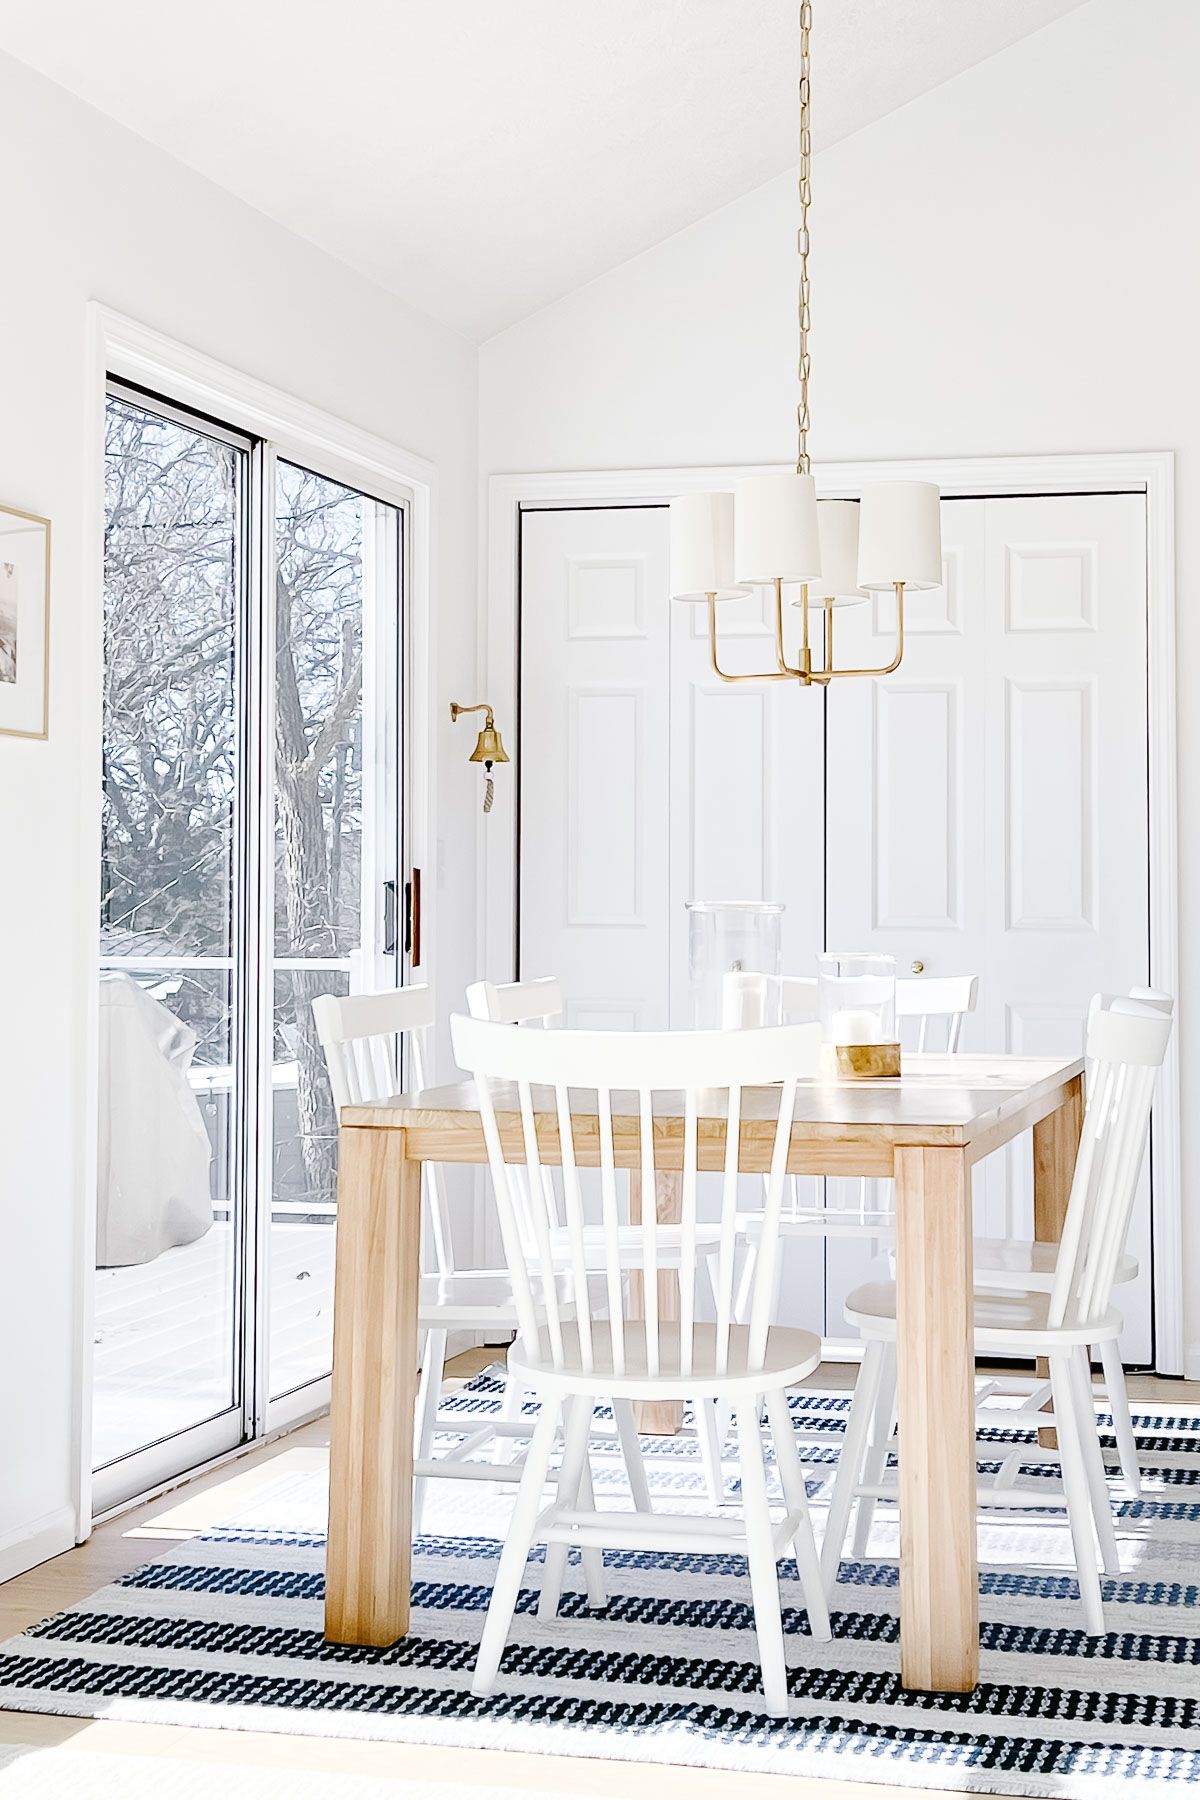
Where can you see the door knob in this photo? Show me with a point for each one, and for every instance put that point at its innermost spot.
(918, 968)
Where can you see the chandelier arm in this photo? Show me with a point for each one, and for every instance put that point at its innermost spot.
(888, 668)
(723, 674)
(781, 661)
(821, 676)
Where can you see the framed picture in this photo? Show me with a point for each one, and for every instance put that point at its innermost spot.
(24, 622)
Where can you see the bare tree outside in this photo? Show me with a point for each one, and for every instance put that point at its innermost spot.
(170, 732)
(171, 745)
(318, 778)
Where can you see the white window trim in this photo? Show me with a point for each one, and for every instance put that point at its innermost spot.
(125, 348)
(1151, 473)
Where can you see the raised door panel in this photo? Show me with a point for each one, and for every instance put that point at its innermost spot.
(1050, 803)
(602, 826)
(917, 787)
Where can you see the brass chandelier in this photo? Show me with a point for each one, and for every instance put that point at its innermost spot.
(773, 530)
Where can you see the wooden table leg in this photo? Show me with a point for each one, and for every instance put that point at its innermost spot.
(939, 1579)
(659, 1418)
(1055, 1147)
(368, 1564)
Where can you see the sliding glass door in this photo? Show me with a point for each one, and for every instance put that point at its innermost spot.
(252, 835)
(335, 857)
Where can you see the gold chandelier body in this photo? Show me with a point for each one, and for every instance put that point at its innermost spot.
(895, 532)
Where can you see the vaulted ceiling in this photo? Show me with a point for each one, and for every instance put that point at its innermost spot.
(481, 157)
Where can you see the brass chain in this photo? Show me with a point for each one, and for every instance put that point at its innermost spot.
(803, 461)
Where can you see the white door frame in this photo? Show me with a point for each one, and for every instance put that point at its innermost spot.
(1151, 473)
(133, 352)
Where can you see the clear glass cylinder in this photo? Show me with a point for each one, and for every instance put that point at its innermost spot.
(857, 997)
(734, 952)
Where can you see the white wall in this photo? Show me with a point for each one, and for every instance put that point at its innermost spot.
(90, 211)
(1009, 264)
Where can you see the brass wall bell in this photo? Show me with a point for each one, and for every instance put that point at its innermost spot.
(489, 747)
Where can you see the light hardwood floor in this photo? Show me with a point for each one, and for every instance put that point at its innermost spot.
(140, 1535)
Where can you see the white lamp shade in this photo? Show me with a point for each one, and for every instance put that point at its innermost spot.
(900, 535)
(837, 521)
(702, 547)
(775, 533)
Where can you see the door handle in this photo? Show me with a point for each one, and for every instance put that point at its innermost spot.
(918, 968)
(412, 919)
(389, 918)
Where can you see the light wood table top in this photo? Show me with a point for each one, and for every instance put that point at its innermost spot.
(974, 1103)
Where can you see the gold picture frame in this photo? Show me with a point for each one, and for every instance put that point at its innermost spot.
(24, 624)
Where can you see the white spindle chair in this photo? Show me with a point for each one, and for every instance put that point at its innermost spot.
(539, 1002)
(1127, 1041)
(1008, 1265)
(929, 1009)
(361, 1036)
(571, 1361)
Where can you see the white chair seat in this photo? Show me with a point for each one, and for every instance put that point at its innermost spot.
(1001, 1320)
(823, 1221)
(791, 1356)
(631, 1245)
(1009, 1263)
(466, 1297)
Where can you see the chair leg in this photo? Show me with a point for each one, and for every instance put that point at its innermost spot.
(795, 1494)
(1078, 1497)
(1093, 1463)
(593, 1557)
(760, 1554)
(631, 1454)
(1118, 1404)
(882, 1421)
(576, 1432)
(850, 1462)
(511, 1403)
(433, 1363)
(515, 1554)
(709, 1437)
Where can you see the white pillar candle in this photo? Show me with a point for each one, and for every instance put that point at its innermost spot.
(855, 1026)
(743, 1000)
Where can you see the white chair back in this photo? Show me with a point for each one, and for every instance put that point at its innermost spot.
(534, 1002)
(1126, 1043)
(526, 1080)
(750, 1000)
(362, 1036)
(516, 1002)
(936, 1005)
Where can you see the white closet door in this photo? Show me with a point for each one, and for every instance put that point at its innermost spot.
(595, 762)
(987, 804)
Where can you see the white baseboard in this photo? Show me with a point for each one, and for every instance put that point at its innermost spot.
(1191, 1362)
(34, 1543)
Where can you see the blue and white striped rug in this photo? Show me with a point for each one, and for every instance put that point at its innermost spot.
(226, 1631)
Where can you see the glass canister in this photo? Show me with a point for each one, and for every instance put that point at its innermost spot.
(734, 952)
(857, 997)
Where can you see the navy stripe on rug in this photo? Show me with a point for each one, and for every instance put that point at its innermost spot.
(232, 1638)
